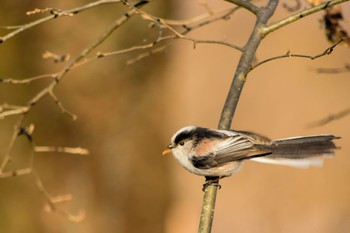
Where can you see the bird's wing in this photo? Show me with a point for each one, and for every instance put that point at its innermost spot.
(236, 147)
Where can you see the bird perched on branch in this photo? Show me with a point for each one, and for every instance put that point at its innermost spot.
(219, 153)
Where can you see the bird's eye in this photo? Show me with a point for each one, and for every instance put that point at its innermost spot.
(181, 143)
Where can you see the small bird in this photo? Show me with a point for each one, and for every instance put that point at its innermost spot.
(220, 153)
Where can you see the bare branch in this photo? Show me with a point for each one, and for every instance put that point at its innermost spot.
(54, 14)
(7, 158)
(51, 202)
(51, 206)
(189, 25)
(298, 16)
(63, 109)
(147, 54)
(18, 172)
(329, 119)
(116, 24)
(48, 90)
(154, 19)
(66, 150)
(14, 111)
(171, 27)
(28, 80)
(328, 51)
(202, 19)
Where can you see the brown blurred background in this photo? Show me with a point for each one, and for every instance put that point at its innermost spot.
(126, 115)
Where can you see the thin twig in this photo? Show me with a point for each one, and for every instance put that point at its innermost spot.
(61, 107)
(66, 150)
(17, 131)
(54, 14)
(16, 111)
(190, 25)
(290, 19)
(328, 51)
(27, 80)
(154, 19)
(148, 53)
(51, 201)
(8, 155)
(116, 24)
(329, 119)
(101, 55)
(18, 172)
(202, 19)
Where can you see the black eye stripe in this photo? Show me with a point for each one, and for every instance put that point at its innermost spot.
(183, 136)
(197, 134)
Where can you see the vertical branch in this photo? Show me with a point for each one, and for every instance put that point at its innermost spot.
(244, 65)
(263, 15)
(208, 207)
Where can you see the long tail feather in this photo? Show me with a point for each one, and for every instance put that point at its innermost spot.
(300, 152)
(303, 147)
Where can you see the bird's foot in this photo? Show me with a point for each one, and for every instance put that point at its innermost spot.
(211, 181)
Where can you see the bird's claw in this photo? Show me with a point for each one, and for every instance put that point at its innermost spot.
(211, 181)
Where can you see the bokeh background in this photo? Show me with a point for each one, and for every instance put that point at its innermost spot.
(127, 114)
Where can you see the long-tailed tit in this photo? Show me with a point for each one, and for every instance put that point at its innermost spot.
(219, 153)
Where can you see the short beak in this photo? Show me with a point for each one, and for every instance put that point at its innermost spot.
(167, 150)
